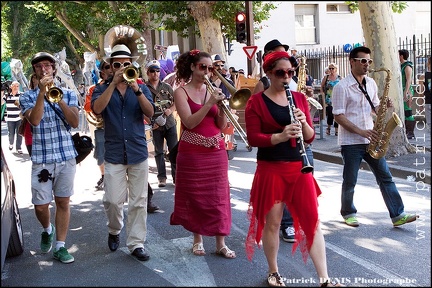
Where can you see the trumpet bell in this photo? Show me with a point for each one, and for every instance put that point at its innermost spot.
(130, 74)
(54, 94)
(240, 98)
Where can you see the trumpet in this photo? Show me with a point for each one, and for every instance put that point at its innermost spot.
(306, 166)
(227, 112)
(130, 74)
(54, 94)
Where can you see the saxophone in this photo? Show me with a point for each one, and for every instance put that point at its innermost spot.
(301, 82)
(314, 105)
(379, 148)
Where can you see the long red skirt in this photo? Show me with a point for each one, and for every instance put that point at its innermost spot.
(276, 182)
(202, 194)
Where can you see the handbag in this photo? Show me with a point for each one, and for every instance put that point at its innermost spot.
(83, 144)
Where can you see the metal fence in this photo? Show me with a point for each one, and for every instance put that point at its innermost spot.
(318, 59)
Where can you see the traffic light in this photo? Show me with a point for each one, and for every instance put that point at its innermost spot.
(241, 27)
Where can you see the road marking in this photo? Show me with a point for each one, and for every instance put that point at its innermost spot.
(173, 260)
(396, 279)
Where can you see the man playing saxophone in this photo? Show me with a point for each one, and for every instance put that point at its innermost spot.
(355, 98)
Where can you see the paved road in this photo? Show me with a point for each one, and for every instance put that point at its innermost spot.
(374, 254)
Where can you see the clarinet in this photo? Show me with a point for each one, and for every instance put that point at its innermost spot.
(306, 166)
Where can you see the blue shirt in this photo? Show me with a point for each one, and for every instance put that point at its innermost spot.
(52, 141)
(125, 140)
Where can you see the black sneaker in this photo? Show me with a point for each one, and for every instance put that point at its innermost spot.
(288, 234)
(100, 184)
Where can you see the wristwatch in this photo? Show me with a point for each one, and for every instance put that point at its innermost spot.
(139, 92)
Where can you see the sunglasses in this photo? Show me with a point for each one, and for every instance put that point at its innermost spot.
(40, 66)
(280, 73)
(364, 60)
(107, 67)
(154, 70)
(117, 65)
(203, 67)
(217, 65)
(332, 68)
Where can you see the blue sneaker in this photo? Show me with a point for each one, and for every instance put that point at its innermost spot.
(47, 240)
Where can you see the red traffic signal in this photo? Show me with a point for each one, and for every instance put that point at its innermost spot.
(240, 17)
(241, 27)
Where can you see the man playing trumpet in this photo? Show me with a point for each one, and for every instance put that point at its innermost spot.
(123, 105)
(53, 152)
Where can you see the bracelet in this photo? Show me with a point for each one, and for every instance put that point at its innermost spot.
(139, 92)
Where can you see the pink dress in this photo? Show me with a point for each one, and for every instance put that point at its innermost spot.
(202, 194)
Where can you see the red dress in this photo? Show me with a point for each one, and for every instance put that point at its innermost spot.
(202, 194)
(279, 181)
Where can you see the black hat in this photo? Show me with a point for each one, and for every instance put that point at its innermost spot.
(273, 44)
(216, 58)
(42, 56)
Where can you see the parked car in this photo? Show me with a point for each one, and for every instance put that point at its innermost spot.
(12, 243)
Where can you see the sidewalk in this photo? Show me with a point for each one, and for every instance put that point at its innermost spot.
(410, 166)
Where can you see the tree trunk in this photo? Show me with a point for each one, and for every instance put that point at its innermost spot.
(210, 29)
(380, 37)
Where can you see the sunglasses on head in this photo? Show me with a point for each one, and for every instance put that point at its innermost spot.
(154, 70)
(203, 67)
(280, 73)
(117, 65)
(364, 60)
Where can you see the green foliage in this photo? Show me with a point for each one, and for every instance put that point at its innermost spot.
(397, 6)
(174, 15)
(32, 26)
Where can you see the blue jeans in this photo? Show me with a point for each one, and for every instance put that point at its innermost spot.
(352, 156)
(159, 135)
(12, 132)
(287, 219)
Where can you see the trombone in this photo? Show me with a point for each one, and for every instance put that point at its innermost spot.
(225, 109)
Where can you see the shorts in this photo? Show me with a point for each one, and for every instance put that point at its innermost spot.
(99, 150)
(60, 183)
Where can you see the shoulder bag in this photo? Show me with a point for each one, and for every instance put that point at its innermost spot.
(83, 144)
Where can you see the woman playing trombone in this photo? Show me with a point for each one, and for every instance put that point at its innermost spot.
(278, 178)
(202, 195)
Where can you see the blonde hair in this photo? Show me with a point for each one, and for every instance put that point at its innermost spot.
(334, 65)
